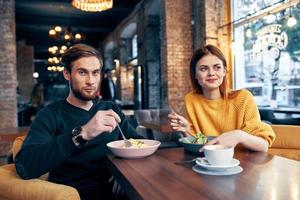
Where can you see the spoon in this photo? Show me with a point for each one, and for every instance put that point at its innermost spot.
(126, 141)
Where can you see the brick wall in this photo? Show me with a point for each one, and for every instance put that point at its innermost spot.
(8, 82)
(8, 104)
(218, 29)
(25, 69)
(182, 28)
(187, 27)
(176, 52)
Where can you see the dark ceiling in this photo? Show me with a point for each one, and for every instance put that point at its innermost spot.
(34, 18)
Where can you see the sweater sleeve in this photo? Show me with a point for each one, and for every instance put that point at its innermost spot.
(192, 127)
(41, 151)
(252, 123)
(191, 113)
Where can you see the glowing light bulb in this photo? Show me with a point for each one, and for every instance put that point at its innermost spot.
(52, 32)
(35, 75)
(291, 21)
(78, 36)
(248, 33)
(58, 29)
(67, 37)
(63, 47)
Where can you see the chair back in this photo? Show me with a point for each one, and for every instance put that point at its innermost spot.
(17, 145)
(287, 136)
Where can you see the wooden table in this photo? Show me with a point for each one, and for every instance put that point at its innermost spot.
(9, 134)
(158, 177)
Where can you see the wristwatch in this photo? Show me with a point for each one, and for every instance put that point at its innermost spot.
(77, 137)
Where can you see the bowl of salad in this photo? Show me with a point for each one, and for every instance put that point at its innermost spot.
(192, 144)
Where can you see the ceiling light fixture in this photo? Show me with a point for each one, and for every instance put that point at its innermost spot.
(292, 21)
(57, 33)
(248, 33)
(63, 38)
(93, 5)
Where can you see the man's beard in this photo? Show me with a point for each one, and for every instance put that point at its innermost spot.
(80, 95)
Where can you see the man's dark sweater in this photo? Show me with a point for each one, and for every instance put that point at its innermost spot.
(49, 146)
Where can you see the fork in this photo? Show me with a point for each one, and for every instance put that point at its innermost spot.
(126, 141)
(185, 161)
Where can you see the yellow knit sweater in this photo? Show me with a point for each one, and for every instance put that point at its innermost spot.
(214, 117)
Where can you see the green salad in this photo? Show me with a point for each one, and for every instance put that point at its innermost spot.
(199, 138)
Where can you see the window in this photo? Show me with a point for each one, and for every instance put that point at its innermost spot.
(267, 52)
(134, 46)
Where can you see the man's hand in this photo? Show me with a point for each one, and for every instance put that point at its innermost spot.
(102, 121)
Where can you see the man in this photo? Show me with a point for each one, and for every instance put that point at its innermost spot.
(107, 88)
(68, 138)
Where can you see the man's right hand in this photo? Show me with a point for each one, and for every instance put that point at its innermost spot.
(102, 121)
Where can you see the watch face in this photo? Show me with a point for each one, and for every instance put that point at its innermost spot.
(76, 131)
(77, 137)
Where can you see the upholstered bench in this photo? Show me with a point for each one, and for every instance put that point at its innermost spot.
(12, 187)
(287, 142)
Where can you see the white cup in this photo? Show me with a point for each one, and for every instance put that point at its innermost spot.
(218, 154)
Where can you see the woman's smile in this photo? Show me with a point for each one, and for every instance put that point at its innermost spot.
(211, 80)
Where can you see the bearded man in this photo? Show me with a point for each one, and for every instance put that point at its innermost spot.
(68, 138)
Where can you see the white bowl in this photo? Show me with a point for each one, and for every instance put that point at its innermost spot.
(118, 149)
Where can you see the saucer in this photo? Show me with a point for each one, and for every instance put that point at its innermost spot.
(204, 164)
(228, 171)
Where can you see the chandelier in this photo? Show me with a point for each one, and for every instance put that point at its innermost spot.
(62, 39)
(57, 33)
(93, 5)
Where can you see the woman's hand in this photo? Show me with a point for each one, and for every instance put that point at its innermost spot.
(230, 138)
(179, 123)
(234, 137)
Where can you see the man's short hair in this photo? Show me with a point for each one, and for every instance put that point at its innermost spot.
(79, 51)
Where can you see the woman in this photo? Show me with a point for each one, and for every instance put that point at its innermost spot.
(212, 110)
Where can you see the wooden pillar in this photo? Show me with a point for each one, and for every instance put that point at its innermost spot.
(176, 52)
